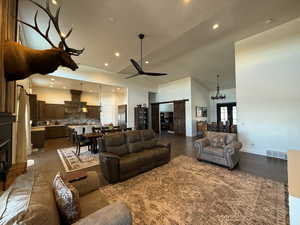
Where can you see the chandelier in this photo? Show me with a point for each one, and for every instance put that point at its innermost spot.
(218, 94)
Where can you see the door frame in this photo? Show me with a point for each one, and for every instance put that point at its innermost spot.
(228, 104)
(155, 120)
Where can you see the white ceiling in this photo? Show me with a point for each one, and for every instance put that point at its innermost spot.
(47, 81)
(179, 35)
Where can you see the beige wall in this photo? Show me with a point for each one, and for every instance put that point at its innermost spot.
(59, 96)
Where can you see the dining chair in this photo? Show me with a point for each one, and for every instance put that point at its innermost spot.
(81, 142)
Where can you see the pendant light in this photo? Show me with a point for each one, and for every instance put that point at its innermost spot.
(218, 95)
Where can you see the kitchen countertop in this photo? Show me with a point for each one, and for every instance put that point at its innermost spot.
(38, 128)
(75, 126)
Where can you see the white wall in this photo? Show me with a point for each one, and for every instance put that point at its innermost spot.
(186, 88)
(200, 97)
(230, 97)
(267, 88)
(178, 90)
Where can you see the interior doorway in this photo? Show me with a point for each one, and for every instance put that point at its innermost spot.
(166, 112)
(227, 112)
(177, 126)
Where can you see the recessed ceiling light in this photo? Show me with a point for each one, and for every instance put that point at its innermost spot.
(106, 64)
(147, 62)
(186, 1)
(112, 19)
(54, 2)
(216, 26)
(117, 54)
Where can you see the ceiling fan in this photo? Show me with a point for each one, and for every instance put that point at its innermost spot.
(138, 67)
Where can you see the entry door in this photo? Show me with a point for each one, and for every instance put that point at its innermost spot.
(227, 112)
(155, 117)
(179, 118)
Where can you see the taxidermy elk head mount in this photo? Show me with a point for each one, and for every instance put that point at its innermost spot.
(20, 62)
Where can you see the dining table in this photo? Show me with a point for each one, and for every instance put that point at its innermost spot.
(93, 137)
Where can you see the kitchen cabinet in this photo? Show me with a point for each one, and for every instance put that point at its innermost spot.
(54, 111)
(93, 112)
(37, 137)
(56, 131)
(33, 108)
(41, 108)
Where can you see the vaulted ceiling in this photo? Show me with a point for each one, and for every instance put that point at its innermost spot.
(179, 35)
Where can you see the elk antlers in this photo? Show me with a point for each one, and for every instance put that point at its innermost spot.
(55, 21)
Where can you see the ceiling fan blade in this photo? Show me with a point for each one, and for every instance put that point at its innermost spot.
(135, 75)
(155, 74)
(137, 66)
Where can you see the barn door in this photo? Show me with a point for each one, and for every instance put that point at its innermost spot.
(179, 118)
(155, 117)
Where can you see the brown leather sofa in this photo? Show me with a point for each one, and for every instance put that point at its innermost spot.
(127, 154)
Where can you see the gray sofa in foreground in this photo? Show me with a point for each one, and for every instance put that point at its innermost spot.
(219, 148)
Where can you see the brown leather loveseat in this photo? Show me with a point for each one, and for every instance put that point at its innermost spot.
(127, 154)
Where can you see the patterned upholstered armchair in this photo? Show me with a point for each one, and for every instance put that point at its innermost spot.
(219, 148)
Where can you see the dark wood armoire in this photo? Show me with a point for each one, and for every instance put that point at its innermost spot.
(141, 118)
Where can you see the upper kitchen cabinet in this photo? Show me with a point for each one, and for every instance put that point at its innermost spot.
(41, 108)
(93, 112)
(54, 112)
(33, 108)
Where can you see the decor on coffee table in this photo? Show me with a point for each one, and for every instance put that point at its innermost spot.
(186, 191)
(72, 162)
(127, 154)
(220, 148)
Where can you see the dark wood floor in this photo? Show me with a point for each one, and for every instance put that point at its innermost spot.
(48, 163)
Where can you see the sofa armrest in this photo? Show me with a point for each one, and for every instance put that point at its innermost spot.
(88, 184)
(200, 144)
(168, 145)
(233, 147)
(109, 155)
(113, 214)
(110, 166)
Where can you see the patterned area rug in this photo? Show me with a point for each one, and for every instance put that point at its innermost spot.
(72, 162)
(188, 192)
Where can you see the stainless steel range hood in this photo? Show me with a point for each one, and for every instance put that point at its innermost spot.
(75, 106)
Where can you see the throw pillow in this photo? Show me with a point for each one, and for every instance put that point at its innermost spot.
(67, 200)
(218, 141)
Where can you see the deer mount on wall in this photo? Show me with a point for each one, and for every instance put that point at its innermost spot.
(20, 62)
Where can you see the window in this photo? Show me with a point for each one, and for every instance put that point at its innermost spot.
(227, 112)
(234, 116)
(224, 114)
